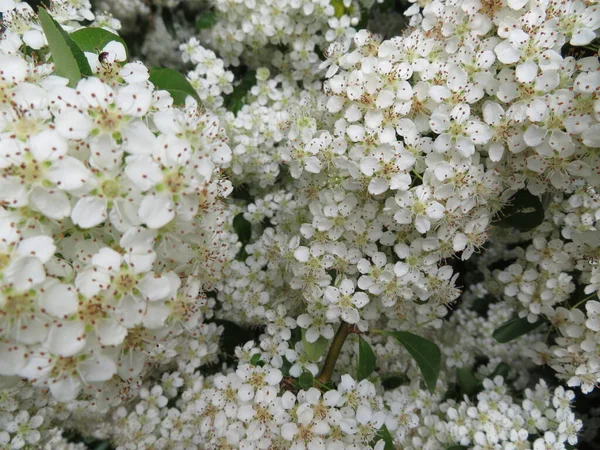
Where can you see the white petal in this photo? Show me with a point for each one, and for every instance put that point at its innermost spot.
(54, 204)
(110, 332)
(68, 173)
(59, 299)
(42, 247)
(12, 358)
(66, 339)
(583, 36)
(89, 212)
(117, 48)
(526, 72)
(73, 125)
(65, 389)
(156, 315)
(24, 273)
(378, 186)
(156, 210)
(100, 369)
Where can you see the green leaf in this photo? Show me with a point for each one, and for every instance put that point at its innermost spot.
(69, 60)
(314, 350)
(175, 83)
(383, 433)
(467, 382)
(306, 380)
(242, 228)
(255, 360)
(426, 353)
(457, 447)
(93, 40)
(206, 21)
(501, 369)
(235, 101)
(514, 328)
(366, 360)
(523, 212)
(234, 336)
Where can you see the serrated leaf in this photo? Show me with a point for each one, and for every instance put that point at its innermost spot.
(523, 212)
(467, 382)
(69, 60)
(514, 328)
(426, 353)
(366, 360)
(93, 39)
(306, 380)
(173, 82)
(206, 21)
(314, 350)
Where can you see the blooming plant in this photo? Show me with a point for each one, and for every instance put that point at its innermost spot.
(299, 224)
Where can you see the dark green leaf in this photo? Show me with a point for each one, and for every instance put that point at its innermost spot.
(467, 382)
(457, 447)
(234, 336)
(69, 60)
(206, 21)
(175, 83)
(514, 328)
(306, 380)
(523, 212)
(242, 228)
(93, 40)
(314, 350)
(392, 382)
(235, 100)
(426, 353)
(501, 369)
(384, 434)
(366, 360)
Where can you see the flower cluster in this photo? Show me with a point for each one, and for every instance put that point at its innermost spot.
(111, 221)
(316, 236)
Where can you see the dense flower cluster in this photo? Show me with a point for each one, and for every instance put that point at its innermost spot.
(328, 237)
(111, 224)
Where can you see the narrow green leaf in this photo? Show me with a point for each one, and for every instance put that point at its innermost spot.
(69, 60)
(384, 434)
(514, 328)
(206, 21)
(366, 360)
(523, 212)
(314, 350)
(175, 83)
(306, 380)
(467, 382)
(93, 39)
(426, 353)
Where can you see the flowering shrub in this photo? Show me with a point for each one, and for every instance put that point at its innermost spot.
(305, 228)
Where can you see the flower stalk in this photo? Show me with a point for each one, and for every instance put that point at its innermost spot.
(334, 352)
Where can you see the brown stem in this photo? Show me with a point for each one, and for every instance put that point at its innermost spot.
(334, 352)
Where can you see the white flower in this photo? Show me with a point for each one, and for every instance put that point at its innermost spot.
(344, 302)
(417, 206)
